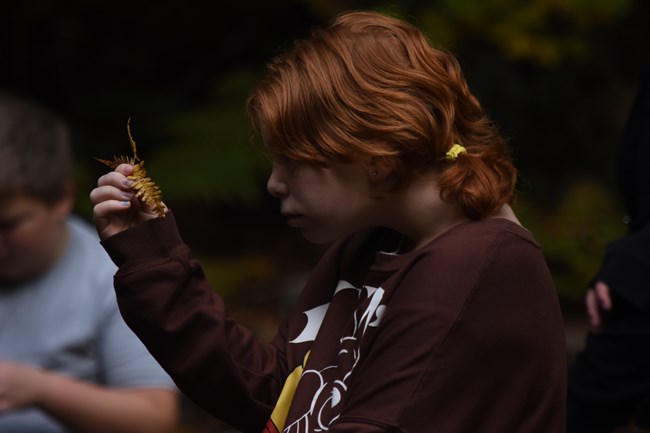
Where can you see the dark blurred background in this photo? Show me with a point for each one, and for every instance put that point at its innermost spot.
(557, 76)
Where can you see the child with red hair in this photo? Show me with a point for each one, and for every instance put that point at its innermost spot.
(433, 309)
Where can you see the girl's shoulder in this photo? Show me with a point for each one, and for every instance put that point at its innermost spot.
(468, 253)
(495, 242)
(473, 241)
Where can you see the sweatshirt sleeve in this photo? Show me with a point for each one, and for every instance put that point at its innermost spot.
(166, 300)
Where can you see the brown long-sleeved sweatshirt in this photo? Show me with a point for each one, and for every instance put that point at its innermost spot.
(464, 335)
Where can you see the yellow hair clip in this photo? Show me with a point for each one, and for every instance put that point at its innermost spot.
(453, 153)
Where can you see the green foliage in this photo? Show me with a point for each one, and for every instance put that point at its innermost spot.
(546, 32)
(229, 275)
(573, 235)
(212, 155)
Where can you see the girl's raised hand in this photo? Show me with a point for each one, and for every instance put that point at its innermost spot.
(115, 207)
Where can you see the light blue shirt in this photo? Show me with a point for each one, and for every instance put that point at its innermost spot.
(68, 321)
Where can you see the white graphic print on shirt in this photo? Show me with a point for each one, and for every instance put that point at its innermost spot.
(330, 382)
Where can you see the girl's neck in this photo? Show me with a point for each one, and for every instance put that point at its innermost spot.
(420, 214)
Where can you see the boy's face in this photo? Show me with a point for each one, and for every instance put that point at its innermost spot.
(32, 236)
(325, 203)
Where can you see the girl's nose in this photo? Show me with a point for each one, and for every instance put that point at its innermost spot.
(275, 185)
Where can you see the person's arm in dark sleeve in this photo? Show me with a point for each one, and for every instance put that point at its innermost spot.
(167, 301)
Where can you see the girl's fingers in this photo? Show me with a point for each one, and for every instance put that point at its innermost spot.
(115, 179)
(107, 209)
(108, 193)
(113, 206)
(125, 169)
(118, 177)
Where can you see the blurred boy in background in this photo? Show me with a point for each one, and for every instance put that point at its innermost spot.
(68, 362)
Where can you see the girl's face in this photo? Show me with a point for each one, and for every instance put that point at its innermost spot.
(325, 203)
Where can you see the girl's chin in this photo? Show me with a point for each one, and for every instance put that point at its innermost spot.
(316, 237)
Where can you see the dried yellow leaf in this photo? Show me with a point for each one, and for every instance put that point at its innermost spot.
(145, 189)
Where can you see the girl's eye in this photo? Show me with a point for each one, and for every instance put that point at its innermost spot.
(284, 163)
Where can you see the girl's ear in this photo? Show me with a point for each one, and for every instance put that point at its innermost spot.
(379, 169)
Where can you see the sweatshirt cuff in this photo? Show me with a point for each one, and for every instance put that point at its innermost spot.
(152, 240)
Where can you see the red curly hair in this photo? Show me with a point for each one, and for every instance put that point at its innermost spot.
(370, 85)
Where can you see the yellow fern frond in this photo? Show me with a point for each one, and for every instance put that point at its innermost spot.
(145, 189)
